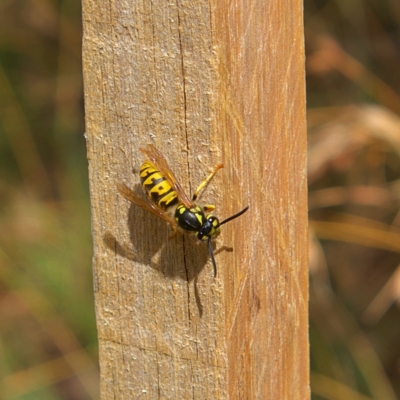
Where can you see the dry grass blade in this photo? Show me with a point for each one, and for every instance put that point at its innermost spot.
(27, 381)
(330, 55)
(333, 390)
(337, 141)
(388, 295)
(352, 231)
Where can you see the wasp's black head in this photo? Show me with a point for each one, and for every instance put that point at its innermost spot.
(209, 229)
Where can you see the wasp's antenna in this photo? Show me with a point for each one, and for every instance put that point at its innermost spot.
(234, 216)
(210, 249)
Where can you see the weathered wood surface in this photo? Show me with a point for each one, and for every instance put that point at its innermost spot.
(206, 82)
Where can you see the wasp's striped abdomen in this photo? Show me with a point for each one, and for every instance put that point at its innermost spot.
(157, 187)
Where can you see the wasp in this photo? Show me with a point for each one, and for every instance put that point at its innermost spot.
(167, 199)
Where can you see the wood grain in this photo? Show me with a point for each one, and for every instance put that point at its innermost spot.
(205, 82)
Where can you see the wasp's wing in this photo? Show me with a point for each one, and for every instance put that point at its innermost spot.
(146, 205)
(160, 162)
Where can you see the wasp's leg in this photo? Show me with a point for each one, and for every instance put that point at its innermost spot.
(206, 182)
(174, 233)
(208, 208)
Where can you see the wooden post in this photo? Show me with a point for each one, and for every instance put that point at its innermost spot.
(205, 82)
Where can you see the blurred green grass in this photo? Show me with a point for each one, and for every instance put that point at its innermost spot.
(48, 345)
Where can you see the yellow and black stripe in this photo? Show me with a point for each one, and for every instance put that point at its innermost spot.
(167, 200)
(157, 187)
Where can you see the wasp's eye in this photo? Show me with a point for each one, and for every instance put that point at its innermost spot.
(209, 229)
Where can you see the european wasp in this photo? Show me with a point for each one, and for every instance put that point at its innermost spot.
(166, 199)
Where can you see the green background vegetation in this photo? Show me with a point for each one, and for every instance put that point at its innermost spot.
(48, 345)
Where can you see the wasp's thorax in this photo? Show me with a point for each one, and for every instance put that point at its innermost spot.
(194, 220)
